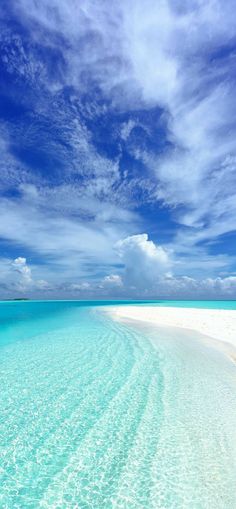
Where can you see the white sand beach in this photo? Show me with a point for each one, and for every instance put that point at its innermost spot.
(217, 324)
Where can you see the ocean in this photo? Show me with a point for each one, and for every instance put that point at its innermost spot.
(96, 414)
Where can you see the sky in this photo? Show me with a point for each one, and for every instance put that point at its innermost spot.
(118, 149)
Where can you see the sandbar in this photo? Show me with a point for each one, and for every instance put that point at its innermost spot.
(218, 325)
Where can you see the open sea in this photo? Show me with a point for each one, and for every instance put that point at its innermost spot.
(96, 414)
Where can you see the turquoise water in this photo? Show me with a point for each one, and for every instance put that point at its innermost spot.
(96, 414)
(201, 304)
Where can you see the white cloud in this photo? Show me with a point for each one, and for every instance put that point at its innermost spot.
(145, 275)
(70, 244)
(126, 129)
(164, 55)
(24, 282)
(78, 287)
(171, 50)
(186, 287)
(21, 267)
(144, 261)
(12, 173)
(112, 280)
(42, 285)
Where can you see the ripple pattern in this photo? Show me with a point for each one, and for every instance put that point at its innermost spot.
(93, 416)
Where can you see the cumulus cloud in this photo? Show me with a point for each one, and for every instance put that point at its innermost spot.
(113, 280)
(148, 271)
(21, 267)
(145, 274)
(187, 287)
(25, 282)
(144, 261)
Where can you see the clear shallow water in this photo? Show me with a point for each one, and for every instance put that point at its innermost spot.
(201, 304)
(92, 415)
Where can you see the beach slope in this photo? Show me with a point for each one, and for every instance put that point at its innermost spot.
(218, 324)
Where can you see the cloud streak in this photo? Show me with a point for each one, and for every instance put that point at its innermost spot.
(170, 58)
(126, 112)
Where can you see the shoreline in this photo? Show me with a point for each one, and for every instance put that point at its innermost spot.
(216, 326)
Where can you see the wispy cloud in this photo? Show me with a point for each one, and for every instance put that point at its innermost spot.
(115, 108)
(170, 57)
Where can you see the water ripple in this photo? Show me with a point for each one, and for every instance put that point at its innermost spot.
(93, 416)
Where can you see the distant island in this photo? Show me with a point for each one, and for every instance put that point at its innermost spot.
(17, 298)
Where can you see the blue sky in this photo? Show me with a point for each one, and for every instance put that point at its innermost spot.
(118, 149)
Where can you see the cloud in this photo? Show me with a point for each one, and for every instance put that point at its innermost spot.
(145, 274)
(121, 105)
(149, 270)
(78, 287)
(113, 280)
(186, 287)
(126, 129)
(144, 261)
(72, 241)
(166, 56)
(177, 65)
(25, 282)
(21, 267)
